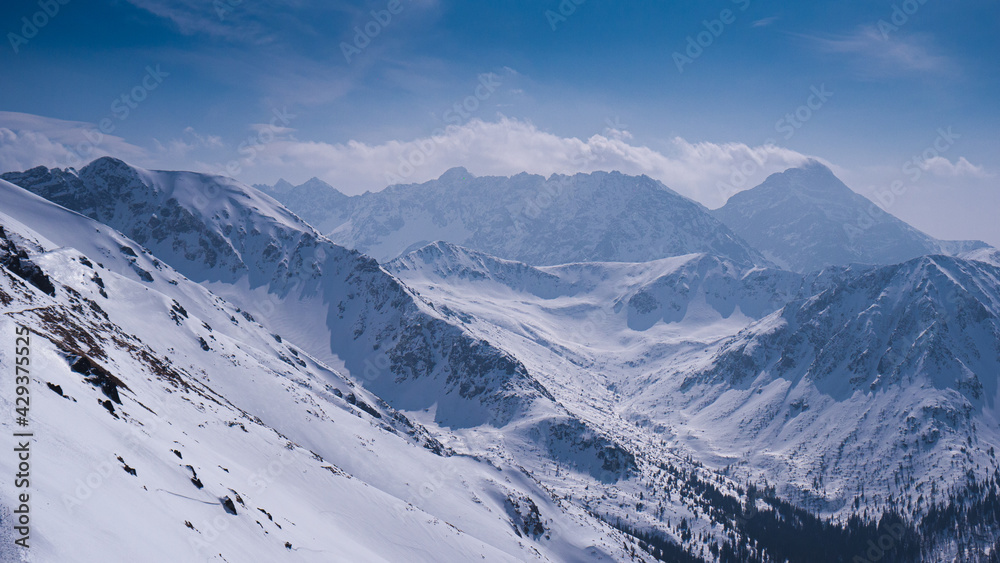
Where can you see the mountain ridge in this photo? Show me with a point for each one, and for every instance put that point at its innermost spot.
(806, 219)
(529, 218)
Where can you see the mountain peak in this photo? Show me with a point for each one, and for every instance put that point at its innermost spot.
(282, 186)
(315, 183)
(813, 178)
(811, 164)
(806, 219)
(107, 163)
(455, 174)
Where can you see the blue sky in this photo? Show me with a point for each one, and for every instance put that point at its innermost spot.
(882, 91)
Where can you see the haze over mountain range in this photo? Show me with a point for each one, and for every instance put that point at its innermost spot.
(573, 368)
(802, 219)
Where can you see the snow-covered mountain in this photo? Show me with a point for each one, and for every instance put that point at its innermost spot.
(853, 390)
(338, 304)
(282, 186)
(170, 427)
(885, 382)
(586, 217)
(805, 219)
(686, 408)
(476, 399)
(989, 255)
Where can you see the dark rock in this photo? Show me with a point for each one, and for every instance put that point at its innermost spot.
(55, 388)
(227, 504)
(98, 376)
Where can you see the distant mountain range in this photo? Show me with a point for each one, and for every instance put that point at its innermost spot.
(586, 217)
(803, 219)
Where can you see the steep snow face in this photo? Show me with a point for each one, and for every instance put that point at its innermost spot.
(887, 382)
(693, 289)
(171, 427)
(586, 217)
(805, 219)
(341, 306)
(207, 223)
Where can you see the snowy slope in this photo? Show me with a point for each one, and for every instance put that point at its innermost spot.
(586, 217)
(588, 329)
(165, 375)
(685, 293)
(804, 219)
(338, 304)
(989, 255)
(440, 372)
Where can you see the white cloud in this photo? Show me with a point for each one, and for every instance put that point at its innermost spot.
(178, 149)
(510, 146)
(941, 166)
(877, 54)
(209, 141)
(764, 22)
(29, 140)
